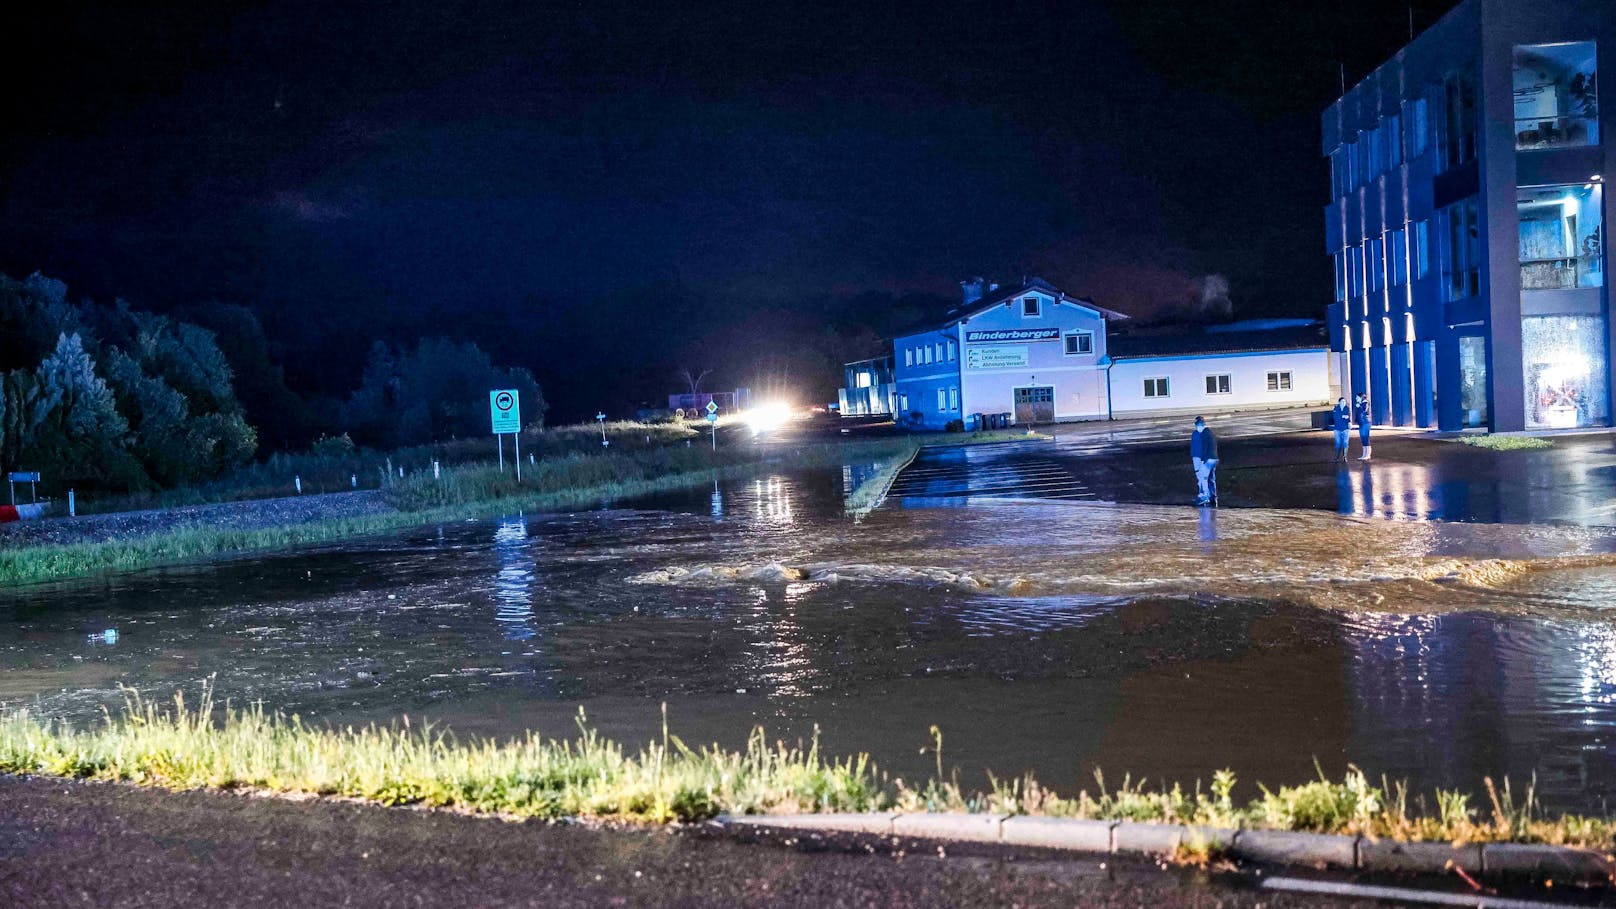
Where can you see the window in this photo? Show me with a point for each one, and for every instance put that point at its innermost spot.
(1393, 143)
(862, 380)
(1156, 388)
(1372, 153)
(1340, 172)
(925, 355)
(1079, 343)
(1029, 306)
(952, 354)
(909, 356)
(937, 351)
(1458, 120)
(953, 397)
(1217, 385)
(1279, 381)
(1561, 228)
(942, 399)
(1351, 157)
(1417, 128)
(1556, 96)
(1340, 276)
(1461, 257)
(1377, 264)
(1355, 275)
(1398, 240)
(1422, 249)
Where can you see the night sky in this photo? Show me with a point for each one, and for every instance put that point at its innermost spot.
(599, 192)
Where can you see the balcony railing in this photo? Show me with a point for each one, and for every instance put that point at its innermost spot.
(1562, 273)
(1556, 132)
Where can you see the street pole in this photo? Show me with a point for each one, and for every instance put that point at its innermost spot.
(516, 437)
(501, 437)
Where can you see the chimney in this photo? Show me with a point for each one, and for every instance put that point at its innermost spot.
(973, 288)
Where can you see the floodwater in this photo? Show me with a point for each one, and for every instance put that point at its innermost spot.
(1052, 636)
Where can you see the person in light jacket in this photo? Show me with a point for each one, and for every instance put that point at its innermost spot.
(1204, 458)
(1341, 422)
(1361, 413)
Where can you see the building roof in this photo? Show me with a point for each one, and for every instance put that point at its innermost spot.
(1310, 336)
(998, 296)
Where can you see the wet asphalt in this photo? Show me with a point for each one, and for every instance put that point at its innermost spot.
(75, 844)
(1410, 477)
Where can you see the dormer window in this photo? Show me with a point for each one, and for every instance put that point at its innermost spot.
(1030, 307)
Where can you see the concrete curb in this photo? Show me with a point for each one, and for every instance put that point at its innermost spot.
(1273, 847)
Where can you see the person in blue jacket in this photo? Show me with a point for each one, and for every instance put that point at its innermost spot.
(1341, 422)
(1361, 413)
(1204, 458)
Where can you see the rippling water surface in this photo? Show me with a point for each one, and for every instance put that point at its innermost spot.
(1052, 637)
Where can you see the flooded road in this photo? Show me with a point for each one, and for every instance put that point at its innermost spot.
(1051, 636)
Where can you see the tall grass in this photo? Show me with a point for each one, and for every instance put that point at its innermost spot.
(585, 775)
(334, 470)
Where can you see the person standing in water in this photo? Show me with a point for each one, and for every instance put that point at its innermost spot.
(1361, 412)
(1341, 422)
(1204, 458)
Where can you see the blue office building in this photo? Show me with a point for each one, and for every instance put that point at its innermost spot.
(1467, 222)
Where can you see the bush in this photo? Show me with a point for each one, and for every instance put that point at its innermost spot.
(332, 446)
(1507, 443)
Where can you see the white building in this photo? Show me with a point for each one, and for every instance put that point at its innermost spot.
(1221, 370)
(1036, 355)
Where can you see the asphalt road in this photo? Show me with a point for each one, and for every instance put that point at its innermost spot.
(68, 844)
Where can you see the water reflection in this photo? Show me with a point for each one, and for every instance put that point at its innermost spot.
(772, 500)
(1471, 696)
(513, 585)
(1398, 492)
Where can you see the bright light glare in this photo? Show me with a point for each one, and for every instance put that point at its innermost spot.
(767, 417)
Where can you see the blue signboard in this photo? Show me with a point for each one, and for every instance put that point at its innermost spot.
(1012, 334)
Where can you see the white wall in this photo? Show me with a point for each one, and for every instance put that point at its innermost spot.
(1078, 380)
(1248, 382)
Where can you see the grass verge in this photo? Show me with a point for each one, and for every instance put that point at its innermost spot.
(1507, 443)
(182, 747)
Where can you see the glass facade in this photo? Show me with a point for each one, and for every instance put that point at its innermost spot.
(1461, 253)
(1556, 96)
(1473, 410)
(1561, 232)
(1565, 364)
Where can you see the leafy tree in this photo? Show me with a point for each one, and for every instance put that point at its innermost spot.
(438, 390)
(72, 425)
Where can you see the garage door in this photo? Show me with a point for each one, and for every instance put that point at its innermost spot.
(1035, 404)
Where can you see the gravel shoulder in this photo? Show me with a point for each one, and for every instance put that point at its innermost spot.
(66, 844)
(244, 515)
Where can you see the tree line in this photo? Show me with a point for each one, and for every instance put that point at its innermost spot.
(111, 397)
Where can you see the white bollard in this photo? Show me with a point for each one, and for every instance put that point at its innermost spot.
(353, 480)
(298, 482)
(72, 507)
(435, 474)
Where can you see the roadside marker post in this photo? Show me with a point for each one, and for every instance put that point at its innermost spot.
(601, 419)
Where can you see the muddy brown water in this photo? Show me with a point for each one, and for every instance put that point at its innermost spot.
(1052, 637)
